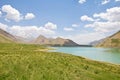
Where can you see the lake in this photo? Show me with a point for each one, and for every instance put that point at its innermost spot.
(111, 55)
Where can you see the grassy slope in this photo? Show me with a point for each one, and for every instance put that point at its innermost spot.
(25, 62)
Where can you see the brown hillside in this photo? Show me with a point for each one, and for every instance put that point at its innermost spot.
(5, 37)
(54, 42)
(112, 41)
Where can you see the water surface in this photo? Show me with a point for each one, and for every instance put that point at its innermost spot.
(111, 55)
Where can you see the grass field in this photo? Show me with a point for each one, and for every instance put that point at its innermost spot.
(31, 62)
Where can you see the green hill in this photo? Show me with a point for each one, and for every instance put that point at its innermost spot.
(33, 62)
(112, 41)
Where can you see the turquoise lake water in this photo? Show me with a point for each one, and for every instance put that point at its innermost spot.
(111, 55)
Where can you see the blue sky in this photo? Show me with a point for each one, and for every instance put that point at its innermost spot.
(80, 20)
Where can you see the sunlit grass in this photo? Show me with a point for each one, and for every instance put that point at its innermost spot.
(26, 62)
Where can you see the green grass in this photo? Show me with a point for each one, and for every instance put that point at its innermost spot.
(26, 62)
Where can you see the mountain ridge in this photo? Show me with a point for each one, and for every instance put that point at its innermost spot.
(6, 37)
(54, 41)
(111, 41)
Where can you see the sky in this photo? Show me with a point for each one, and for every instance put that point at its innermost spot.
(82, 21)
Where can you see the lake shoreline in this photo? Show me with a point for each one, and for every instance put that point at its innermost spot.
(101, 53)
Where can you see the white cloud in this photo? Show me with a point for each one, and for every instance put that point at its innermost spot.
(30, 31)
(68, 29)
(105, 26)
(11, 13)
(27, 31)
(14, 15)
(117, 0)
(50, 25)
(3, 26)
(109, 21)
(0, 13)
(86, 18)
(86, 38)
(75, 25)
(105, 2)
(29, 16)
(82, 1)
(112, 14)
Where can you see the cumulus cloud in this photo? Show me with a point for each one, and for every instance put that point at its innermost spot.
(27, 31)
(112, 14)
(50, 26)
(82, 1)
(105, 26)
(29, 16)
(102, 24)
(109, 21)
(68, 29)
(11, 13)
(105, 2)
(86, 18)
(30, 31)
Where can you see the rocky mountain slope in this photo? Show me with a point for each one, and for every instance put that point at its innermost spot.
(111, 41)
(96, 42)
(54, 42)
(5, 37)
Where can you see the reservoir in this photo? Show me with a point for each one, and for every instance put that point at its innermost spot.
(111, 55)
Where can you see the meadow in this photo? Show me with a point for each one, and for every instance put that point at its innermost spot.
(33, 62)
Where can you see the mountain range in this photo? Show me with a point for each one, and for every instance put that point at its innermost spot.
(6, 37)
(111, 41)
(54, 41)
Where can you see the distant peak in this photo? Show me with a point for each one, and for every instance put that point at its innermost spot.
(54, 41)
(59, 38)
(41, 36)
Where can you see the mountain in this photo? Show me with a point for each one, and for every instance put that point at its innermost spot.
(96, 42)
(111, 41)
(54, 42)
(6, 37)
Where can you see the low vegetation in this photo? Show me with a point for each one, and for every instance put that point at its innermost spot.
(29, 62)
(116, 42)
